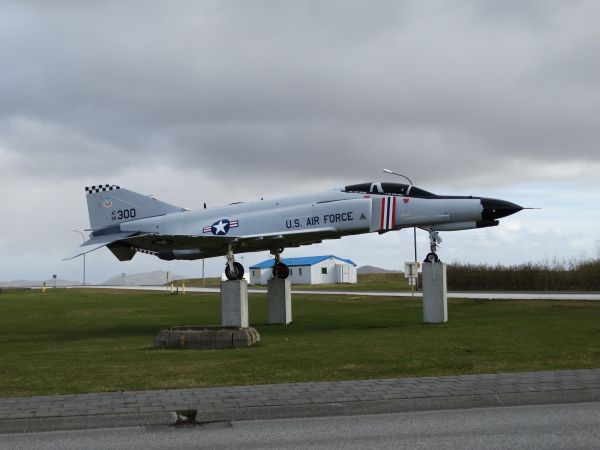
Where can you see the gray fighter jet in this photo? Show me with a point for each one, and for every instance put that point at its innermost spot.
(127, 222)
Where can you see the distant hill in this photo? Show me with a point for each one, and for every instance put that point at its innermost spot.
(373, 269)
(156, 278)
(36, 283)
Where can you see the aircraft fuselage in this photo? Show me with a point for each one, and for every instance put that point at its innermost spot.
(127, 222)
(305, 219)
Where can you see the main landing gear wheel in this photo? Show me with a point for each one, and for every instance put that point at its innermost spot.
(236, 274)
(431, 258)
(281, 271)
(233, 270)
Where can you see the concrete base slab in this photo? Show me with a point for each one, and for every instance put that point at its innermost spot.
(279, 297)
(234, 303)
(435, 293)
(206, 337)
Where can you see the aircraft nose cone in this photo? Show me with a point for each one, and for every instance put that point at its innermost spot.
(495, 209)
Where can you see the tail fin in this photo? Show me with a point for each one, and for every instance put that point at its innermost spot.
(111, 205)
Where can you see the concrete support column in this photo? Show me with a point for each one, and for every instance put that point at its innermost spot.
(435, 293)
(279, 296)
(234, 303)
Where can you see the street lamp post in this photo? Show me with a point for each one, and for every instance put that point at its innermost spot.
(414, 228)
(82, 237)
(397, 174)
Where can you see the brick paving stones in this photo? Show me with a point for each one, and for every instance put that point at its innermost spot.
(343, 394)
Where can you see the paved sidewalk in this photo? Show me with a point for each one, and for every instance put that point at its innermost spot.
(297, 400)
(562, 295)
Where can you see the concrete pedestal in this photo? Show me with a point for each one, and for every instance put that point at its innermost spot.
(435, 293)
(234, 303)
(279, 296)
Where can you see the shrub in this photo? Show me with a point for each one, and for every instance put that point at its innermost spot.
(580, 275)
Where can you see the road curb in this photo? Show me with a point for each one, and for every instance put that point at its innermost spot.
(36, 425)
(349, 408)
(400, 405)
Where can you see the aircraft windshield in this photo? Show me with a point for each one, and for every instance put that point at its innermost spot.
(388, 189)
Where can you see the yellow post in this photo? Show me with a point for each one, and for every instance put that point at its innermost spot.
(171, 288)
(44, 287)
(183, 288)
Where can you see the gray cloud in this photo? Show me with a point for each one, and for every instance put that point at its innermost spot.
(327, 85)
(223, 100)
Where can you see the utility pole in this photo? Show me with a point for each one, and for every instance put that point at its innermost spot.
(82, 237)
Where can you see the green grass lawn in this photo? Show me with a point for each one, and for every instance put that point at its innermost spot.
(198, 282)
(72, 341)
(366, 282)
(382, 282)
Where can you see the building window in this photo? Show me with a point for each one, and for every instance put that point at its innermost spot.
(291, 271)
(323, 270)
(300, 271)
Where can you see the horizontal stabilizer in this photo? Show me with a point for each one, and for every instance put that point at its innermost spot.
(97, 242)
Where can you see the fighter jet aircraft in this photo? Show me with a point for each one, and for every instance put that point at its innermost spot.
(127, 222)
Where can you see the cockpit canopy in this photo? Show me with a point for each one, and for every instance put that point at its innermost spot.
(389, 189)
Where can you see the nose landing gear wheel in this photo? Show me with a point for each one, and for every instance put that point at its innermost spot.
(434, 241)
(236, 274)
(281, 271)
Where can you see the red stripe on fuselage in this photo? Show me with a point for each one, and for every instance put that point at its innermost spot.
(394, 214)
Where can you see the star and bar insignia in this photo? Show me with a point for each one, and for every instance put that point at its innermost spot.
(220, 227)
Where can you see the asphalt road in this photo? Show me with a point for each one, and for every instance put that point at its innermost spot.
(549, 426)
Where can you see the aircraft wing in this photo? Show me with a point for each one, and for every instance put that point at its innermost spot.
(209, 245)
(287, 239)
(289, 235)
(217, 245)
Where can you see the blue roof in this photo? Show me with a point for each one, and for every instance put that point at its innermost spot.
(302, 261)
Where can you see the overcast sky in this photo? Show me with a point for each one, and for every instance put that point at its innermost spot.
(222, 101)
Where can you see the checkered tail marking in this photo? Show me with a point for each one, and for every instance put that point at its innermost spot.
(101, 188)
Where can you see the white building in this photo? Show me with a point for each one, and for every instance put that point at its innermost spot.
(325, 269)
